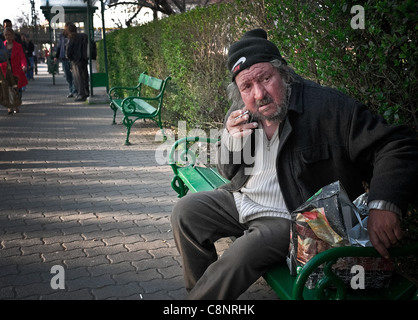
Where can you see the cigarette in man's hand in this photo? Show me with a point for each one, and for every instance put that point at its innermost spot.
(241, 115)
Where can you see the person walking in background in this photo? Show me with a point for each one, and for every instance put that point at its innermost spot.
(3, 52)
(77, 54)
(7, 23)
(17, 59)
(66, 65)
(28, 48)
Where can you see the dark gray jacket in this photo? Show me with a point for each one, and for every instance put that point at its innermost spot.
(328, 136)
(77, 49)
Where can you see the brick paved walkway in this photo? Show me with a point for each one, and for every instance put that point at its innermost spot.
(73, 195)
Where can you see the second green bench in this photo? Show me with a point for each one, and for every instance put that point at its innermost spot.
(135, 105)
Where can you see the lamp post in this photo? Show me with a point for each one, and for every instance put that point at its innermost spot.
(49, 58)
(104, 36)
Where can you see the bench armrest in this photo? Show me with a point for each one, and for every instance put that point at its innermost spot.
(185, 155)
(181, 148)
(118, 92)
(329, 257)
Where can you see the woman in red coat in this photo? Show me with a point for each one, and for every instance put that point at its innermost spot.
(17, 59)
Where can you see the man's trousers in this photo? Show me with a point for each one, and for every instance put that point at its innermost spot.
(199, 220)
(81, 78)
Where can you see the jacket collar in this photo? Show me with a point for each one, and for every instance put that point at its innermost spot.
(296, 96)
(295, 105)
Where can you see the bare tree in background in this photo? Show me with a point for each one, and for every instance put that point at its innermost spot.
(167, 7)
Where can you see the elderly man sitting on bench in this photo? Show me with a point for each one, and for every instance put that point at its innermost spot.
(286, 137)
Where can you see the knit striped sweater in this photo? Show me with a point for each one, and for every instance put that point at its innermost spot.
(261, 196)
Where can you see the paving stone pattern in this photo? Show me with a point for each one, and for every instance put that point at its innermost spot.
(74, 196)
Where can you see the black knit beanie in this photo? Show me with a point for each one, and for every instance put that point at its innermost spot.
(251, 49)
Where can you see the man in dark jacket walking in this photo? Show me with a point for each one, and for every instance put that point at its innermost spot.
(296, 138)
(77, 54)
(62, 51)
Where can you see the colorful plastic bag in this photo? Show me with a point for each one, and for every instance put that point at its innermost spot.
(328, 220)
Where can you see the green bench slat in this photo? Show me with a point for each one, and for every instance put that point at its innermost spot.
(280, 280)
(144, 107)
(212, 176)
(152, 82)
(203, 179)
(140, 106)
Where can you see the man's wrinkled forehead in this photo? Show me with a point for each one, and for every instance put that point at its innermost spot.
(254, 72)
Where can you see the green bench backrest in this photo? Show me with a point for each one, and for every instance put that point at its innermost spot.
(150, 81)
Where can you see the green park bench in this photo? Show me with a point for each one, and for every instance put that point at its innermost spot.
(135, 105)
(192, 174)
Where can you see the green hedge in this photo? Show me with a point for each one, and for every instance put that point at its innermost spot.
(189, 47)
(377, 65)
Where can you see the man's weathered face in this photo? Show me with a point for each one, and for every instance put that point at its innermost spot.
(262, 90)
